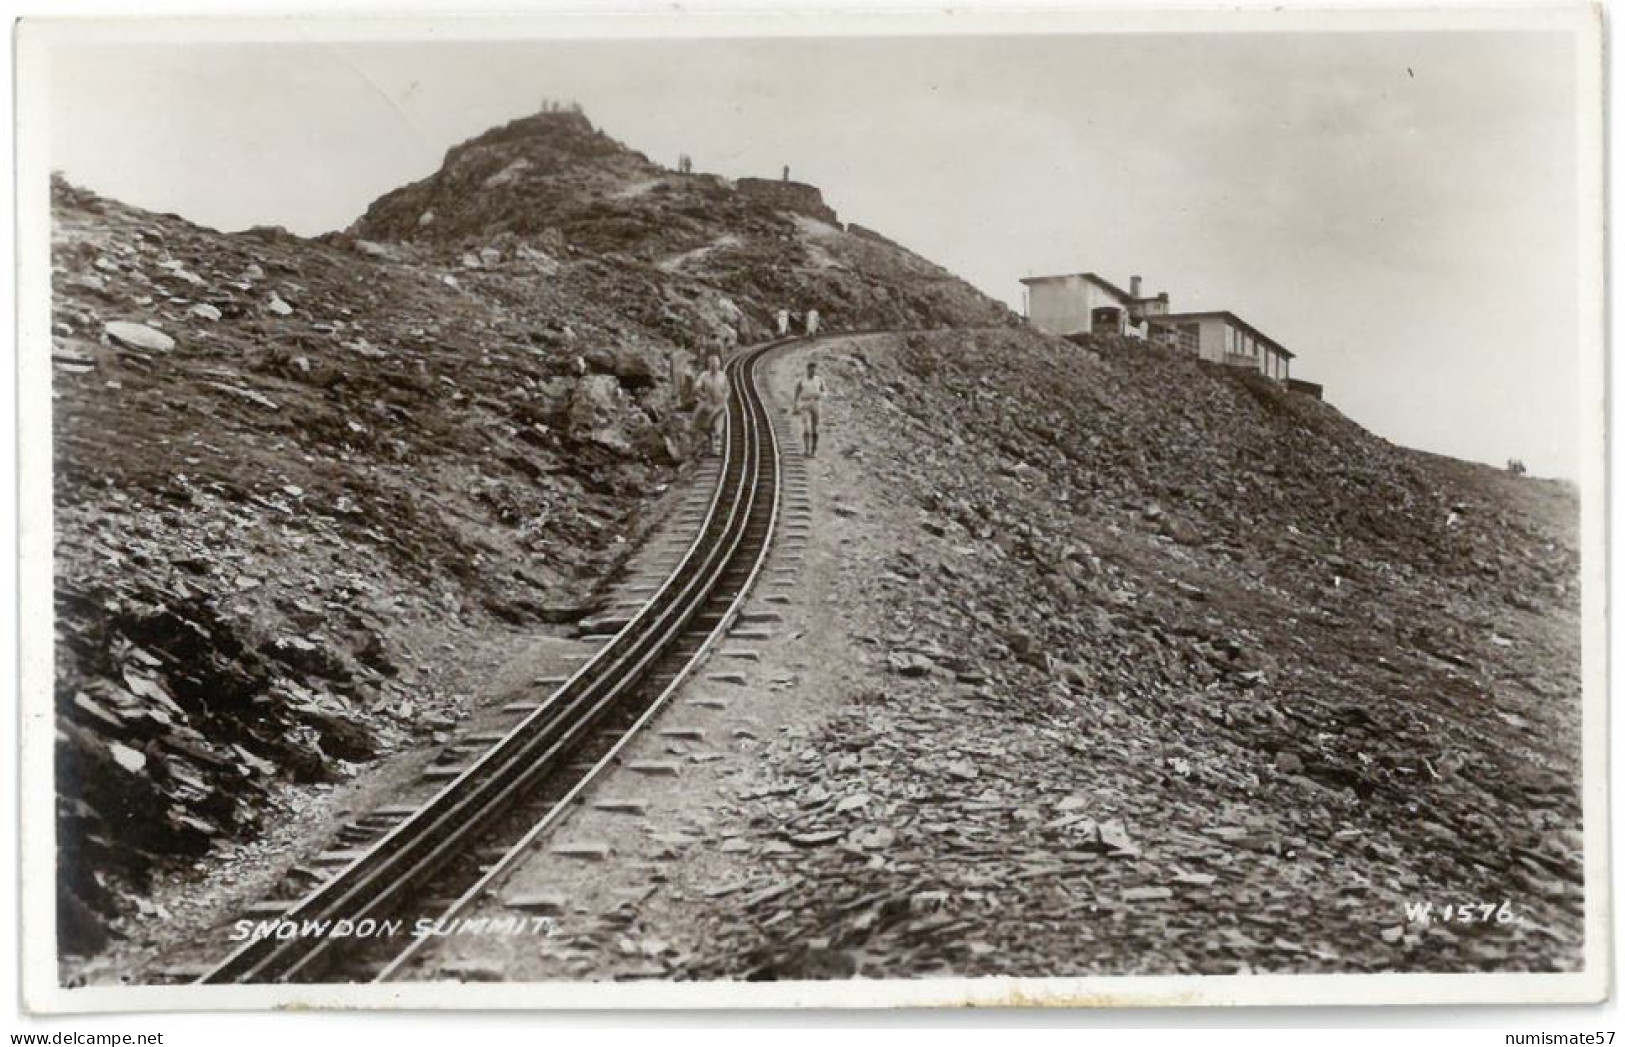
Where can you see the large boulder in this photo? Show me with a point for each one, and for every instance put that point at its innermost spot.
(636, 367)
(599, 411)
(139, 336)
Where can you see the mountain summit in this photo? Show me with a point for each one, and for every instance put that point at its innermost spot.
(1125, 660)
(306, 488)
(550, 189)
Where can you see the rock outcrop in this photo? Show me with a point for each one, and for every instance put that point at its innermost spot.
(785, 195)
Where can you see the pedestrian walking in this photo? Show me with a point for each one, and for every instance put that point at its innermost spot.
(809, 400)
(712, 392)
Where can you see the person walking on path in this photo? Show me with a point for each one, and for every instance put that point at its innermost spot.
(810, 393)
(812, 322)
(712, 392)
(682, 381)
(784, 322)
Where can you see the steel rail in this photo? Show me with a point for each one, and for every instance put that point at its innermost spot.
(407, 857)
(562, 806)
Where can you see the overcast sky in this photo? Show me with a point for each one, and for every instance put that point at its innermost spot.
(1397, 209)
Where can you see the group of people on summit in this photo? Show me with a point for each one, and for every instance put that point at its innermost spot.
(711, 392)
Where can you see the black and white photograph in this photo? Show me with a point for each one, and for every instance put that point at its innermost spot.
(799, 510)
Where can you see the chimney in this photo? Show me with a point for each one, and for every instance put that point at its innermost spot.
(1134, 287)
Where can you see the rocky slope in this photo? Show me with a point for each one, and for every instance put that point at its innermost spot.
(1099, 661)
(303, 488)
(1161, 669)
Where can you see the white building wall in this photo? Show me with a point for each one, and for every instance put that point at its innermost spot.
(1064, 306)
(1213, 339)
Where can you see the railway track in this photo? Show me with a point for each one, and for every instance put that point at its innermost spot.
(442, 855)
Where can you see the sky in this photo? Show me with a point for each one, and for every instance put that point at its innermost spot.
(1401, 210)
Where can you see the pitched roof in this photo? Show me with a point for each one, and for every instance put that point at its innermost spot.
(1233, 319)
